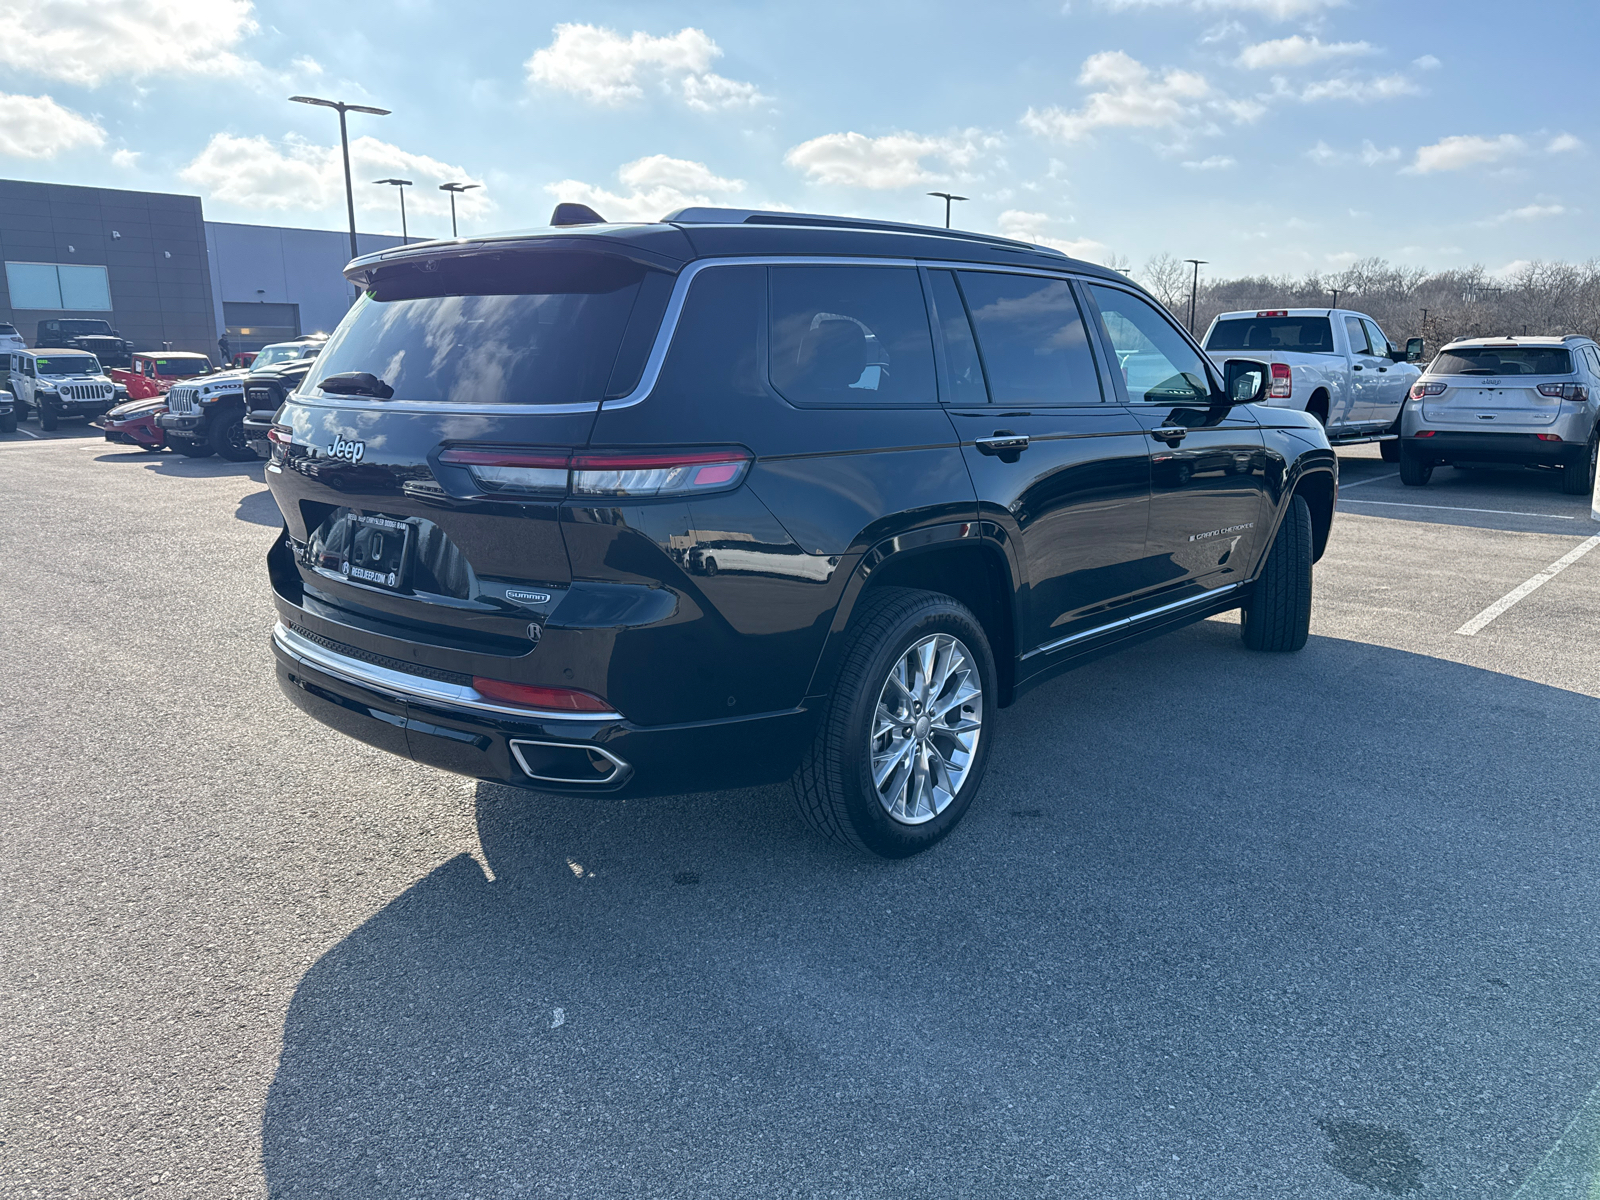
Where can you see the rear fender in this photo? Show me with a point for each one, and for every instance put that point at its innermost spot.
(973, 560)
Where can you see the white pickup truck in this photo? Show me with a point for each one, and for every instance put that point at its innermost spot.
(1330, 362)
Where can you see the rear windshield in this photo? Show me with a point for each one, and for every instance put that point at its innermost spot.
(1306, 335)
(281, 354)
(76, 364)
(1503, 360)
(8, 331)
(499, 328)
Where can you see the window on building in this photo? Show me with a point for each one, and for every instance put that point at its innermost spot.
(58, 286)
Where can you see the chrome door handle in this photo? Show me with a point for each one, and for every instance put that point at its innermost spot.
(1003, 442)
(1170, 434)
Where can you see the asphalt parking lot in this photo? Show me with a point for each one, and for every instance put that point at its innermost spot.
(1221, 924)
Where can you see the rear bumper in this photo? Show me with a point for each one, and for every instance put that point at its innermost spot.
(1492, 448)
(450, 727)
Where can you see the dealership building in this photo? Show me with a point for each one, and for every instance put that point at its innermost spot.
(161, 274)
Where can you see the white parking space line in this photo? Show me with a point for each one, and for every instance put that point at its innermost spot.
(30, 433)
(1345, 487)
(1517, 593)
(1504, 512)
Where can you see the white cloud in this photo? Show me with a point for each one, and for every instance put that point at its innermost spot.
(1031, 226)
(1297, 51)
(1528, 212)
(1133, 97)
(1426, 63)
(892, 161)
(656, 186)
(1465, 150)
(89, 43)
(1362, 91)
(606, 68)
(1563, 143)
(127, 159)
(306, 65)
(38, 127)
(1281, 10)
(1369, 155)
(1217, 162)
(253, 172)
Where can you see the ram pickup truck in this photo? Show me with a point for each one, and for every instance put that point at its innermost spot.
(1333, 363)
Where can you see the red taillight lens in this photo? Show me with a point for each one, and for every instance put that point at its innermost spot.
(1548, 437)
(518, 472)
(526, 695)
(1282, 381)
(281, 435)
(1273, 312)
(616, 473)
(1424, 433)
(664, 473)
(1575, 392)
(1419, 390)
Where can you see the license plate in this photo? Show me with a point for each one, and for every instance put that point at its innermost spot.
(379, 552)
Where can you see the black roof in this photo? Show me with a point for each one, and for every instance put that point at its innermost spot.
(699, 233)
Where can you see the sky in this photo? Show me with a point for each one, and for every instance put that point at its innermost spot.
(1265, 136)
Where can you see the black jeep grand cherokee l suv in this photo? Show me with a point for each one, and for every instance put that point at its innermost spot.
(739, 497)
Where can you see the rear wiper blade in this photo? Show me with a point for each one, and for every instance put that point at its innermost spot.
(356, 383)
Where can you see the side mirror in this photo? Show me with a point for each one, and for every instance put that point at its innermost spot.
(1247, 380)
(1413, 350)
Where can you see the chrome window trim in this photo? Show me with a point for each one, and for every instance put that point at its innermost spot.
(397, 683)
(620, 770)
(1124, 622)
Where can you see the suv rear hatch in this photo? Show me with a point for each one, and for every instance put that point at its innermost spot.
(1496, 388)
(462, 351)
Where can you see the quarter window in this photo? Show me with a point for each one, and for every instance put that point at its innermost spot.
(1158, 365)
(854, 336)
(1031, 333)
(960, 350)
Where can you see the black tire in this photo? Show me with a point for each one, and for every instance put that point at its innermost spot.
(833, 787)
(1577, 476)
(227, 439)
(1318, 408)
(190, 447)
(1277, 616)
(1415, 471)
(1390, 451)
(48, 420)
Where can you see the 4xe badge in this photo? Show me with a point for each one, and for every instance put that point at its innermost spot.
(349, 451)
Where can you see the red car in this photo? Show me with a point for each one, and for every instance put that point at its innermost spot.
(133, 423)
(244, 358)
(153, 372)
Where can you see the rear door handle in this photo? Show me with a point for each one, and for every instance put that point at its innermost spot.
(1003, 442)
(1170, 434)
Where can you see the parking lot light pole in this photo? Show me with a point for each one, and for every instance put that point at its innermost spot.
(1194, 287)
(344, 145)
(946, 197)
(453, 188)
(402, 184)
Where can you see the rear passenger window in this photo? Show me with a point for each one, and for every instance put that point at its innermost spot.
(1035, 350)
(850, 335)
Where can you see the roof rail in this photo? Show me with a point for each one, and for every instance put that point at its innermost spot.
(757, 216)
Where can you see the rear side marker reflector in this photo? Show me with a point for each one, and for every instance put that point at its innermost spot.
(1425, 433)
(1548, 437)
(554, 473)
(527, 695)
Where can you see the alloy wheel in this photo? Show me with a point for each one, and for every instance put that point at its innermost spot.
(925, 729)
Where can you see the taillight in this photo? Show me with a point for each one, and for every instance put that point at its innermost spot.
(519, 472)
(1419, 390)
(667, 473)
(1565, 391)
(601, 473)
(1282, 382)
(1548, 437)
(1424, 433)
(281, 435)
(527, 695)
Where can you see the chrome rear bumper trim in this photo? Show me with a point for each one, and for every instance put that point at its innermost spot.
(399, 684)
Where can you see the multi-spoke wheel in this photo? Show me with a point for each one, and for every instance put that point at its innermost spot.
(926, 728)
(901, 750)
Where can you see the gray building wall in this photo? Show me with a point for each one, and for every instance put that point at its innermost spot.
(265, 264)
(157, 266)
